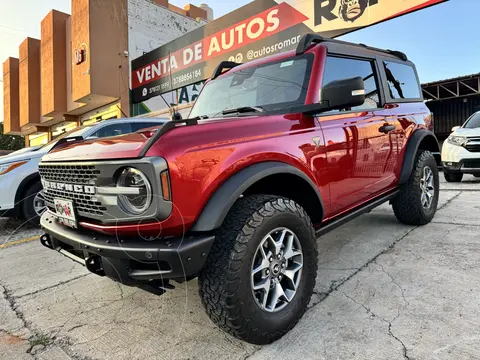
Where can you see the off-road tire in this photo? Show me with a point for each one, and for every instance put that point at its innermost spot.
(453, 177)
(407, 204)
(225, 283)
(27, 207)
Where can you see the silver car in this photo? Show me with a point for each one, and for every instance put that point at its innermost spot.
(19, 171)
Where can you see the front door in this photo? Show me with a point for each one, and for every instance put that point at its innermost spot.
(357, 140)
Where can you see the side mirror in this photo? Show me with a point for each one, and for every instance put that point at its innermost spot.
(341, 94)
(455, 128)
(176, 116)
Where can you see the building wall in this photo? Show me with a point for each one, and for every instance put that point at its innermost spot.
(47, 89)
(150, 26)
(71, 105)
(11, 105)
(107, 47)
(452, 112)
(53, 64)
(29, 78)
(80, 33)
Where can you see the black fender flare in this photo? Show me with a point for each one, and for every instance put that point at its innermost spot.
(222, 200)
(411, 151)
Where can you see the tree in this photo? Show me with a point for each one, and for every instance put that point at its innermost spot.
(10, 142)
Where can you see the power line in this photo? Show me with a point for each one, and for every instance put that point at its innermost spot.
(11, 28)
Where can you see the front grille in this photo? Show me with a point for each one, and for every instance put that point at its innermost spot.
(85, 204)
(472, 164)
(70, 174)
(473, 147)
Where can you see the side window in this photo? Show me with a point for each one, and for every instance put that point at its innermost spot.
(113, 130)
(402, 81)
(142, 125)
(338, 68)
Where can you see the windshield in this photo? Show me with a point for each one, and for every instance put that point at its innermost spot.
(269, 86)
(473, 122)
(78, 131)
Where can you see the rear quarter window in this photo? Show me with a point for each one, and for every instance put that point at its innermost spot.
(402, 81)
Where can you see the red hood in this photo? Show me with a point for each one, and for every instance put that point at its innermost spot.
(118, 147)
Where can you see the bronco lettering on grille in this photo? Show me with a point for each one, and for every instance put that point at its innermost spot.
(84, 189)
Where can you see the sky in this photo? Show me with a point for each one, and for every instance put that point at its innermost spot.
(442, 40)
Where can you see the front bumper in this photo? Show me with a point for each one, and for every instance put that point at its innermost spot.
(468, 166)
(457, 159)
(129, 261)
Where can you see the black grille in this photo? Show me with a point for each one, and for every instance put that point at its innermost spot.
(70, 174)
(85, 204)
(472, 164)
(473, 147)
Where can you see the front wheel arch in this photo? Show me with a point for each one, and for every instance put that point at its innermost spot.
(26, 183)
(252, 180)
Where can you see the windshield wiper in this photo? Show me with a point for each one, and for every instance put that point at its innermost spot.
(243, 109)
(200, 117)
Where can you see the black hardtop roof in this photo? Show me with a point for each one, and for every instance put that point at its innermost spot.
(311, 39)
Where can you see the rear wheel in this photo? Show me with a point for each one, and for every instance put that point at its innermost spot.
(417, 202)
(453, 177)
(33, 204)
(260, 274)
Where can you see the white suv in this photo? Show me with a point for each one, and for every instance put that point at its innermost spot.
(461, 151)
(21, 194)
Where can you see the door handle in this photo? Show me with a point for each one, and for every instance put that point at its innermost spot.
(386, 128)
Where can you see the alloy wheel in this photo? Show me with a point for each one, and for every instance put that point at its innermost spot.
(277, 269)
(39, 203)
(427, 186)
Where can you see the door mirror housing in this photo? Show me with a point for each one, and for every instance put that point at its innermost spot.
(455, 128)
(336, 95)
(343, 94)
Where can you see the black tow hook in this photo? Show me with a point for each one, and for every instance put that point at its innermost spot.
(94, 265)
(156, 287)
(45, 240)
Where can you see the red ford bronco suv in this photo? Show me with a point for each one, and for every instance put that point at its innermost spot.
(275, 153)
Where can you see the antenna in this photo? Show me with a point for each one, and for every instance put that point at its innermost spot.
(172, 108)
(169, 106)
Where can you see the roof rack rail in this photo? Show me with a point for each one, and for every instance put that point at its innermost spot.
(309, 39)
(224, 65)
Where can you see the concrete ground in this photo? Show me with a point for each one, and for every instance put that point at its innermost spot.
(384, 291)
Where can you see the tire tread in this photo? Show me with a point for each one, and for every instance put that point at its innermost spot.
(219, 280)
(406, 205)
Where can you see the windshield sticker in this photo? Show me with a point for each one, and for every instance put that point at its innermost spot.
(286, 63)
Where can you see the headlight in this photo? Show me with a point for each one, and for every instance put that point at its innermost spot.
(456, 140)
(5, 168)
(139, 198)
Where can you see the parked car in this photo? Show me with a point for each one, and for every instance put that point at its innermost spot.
(19, 172)
(275, 153)
(21, 151)
(461, 151)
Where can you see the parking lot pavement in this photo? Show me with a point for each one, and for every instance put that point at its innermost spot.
(384, 291)
(13, 230)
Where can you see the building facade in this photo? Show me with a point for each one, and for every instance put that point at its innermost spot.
(452, 101)
(78, 72)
